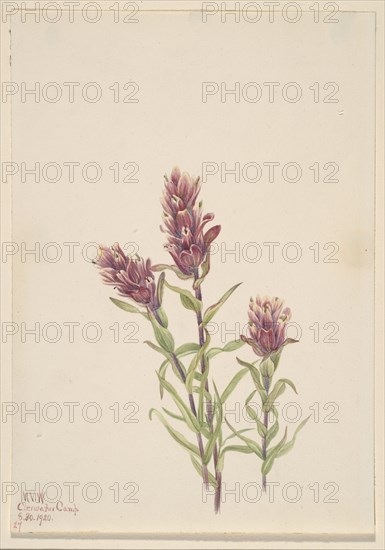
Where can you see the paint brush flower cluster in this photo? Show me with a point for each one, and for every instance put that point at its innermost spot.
(198, 421)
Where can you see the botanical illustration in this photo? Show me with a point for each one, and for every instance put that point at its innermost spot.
(184, 373)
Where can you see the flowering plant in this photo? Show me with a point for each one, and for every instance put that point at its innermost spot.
(199, 406)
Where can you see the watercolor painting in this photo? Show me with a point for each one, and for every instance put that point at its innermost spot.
(198, 404)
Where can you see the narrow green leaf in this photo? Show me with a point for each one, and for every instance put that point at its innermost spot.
(256, 378)
(230, 346)
(179, 438)
(169, 359)
(237, 448)
(163, 335)
(202, 395)
(273, 430)
(249, 442)
(162, 374)
(254, 416)
(211, 443)
(187, 349)
(250, 397)
(288, 446)
(190, 419)
(173, 415)
(182, 351)
(162, 267)
(198, 468)
(212, 310)
(128, 307)
(272, 454)
(187, 298)
(195, 362)
(233, 384)
(278, 389)
(235, 435)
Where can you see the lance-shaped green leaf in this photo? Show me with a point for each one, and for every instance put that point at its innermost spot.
(233, 384)
(244, 449)
(250, 397)
(249, 442)
(163, 335)
(187, 349)
(128, 307)
(212, 310)
(173, 415)
(162, 374)
(235, 435)
(195, 362)
(190, 419)
(230, 346)
(288, 446)
(187, 298)
(278, 389)
(256, 378)
(179, 438)
(202, 395)
(254, 416)
(162, 267)
(272, 455)
(205, 270)
(176, 367)
(211, 442)
(273, 430)
(198, 468)
(182, 351)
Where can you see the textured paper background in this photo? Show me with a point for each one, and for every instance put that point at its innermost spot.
(170, 55)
